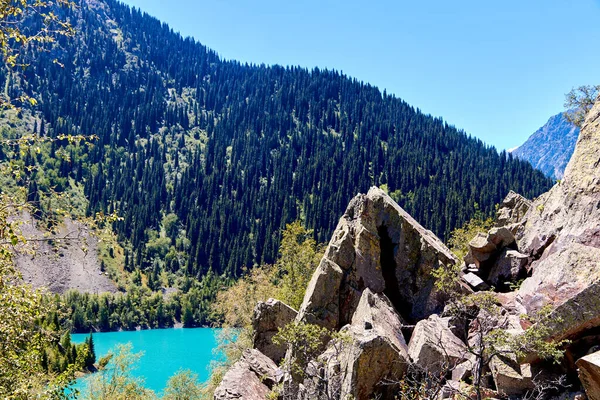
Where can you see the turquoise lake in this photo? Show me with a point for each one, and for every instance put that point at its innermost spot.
(166, 351)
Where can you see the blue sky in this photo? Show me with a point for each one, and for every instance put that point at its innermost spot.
(498, 70)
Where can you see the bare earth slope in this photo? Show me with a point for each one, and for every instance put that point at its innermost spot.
(61, 265)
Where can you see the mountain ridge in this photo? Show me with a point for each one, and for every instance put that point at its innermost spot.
(549, 149)
(206, 160)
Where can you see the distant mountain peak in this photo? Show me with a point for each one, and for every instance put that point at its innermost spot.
(550, 148)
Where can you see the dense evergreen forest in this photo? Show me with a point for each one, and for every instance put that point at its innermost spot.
(207, 160)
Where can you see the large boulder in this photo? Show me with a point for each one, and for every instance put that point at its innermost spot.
(512, 209)
(510, 378)
(367, 360)
(251, 378)
(485, 247)
(589, 374)
(376, 313)
(508, 267)
(481, 249)
(369, 366)
(268, 318)
(376, 245)
(434, 347)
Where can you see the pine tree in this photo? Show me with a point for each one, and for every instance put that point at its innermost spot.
(91, 356)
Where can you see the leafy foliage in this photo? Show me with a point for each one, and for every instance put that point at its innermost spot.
(579, 101)
(299, 256)
(183, 385)
(460, 237)
(306, 341)
(286, 280)
(116, 381)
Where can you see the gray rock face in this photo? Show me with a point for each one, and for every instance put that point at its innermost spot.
(562, 233)
(365, 365)
(434, 347)
(268, 318)
(376, 245)
(251, 378)
(589, 374)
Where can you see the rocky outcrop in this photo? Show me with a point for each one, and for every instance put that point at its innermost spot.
(371, 358)
(434, 347)
(376, 245)
(376, 313)
(589, 374)
(269, 317)
(374, 286)
(251, 378)
(493, 259)
(512, 209)
(562, 235)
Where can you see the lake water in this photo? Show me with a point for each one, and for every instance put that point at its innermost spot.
(166, 351)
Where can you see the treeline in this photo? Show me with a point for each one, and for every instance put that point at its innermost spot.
(140, 307)
(233, 152)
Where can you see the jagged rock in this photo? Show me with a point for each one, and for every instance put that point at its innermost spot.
(371, 354)
(475, 282)
(589, 374)
(561, 234)
(512, 209)
(569, 213)
(485, 247)
(509, 267)
(375, 312)
(366, 367)
(376, 245)
(511, 378)
(433, 346)
(251, 378)
(268, 318)
(321, 303)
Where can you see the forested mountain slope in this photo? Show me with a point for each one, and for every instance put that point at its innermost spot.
(206, 160)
